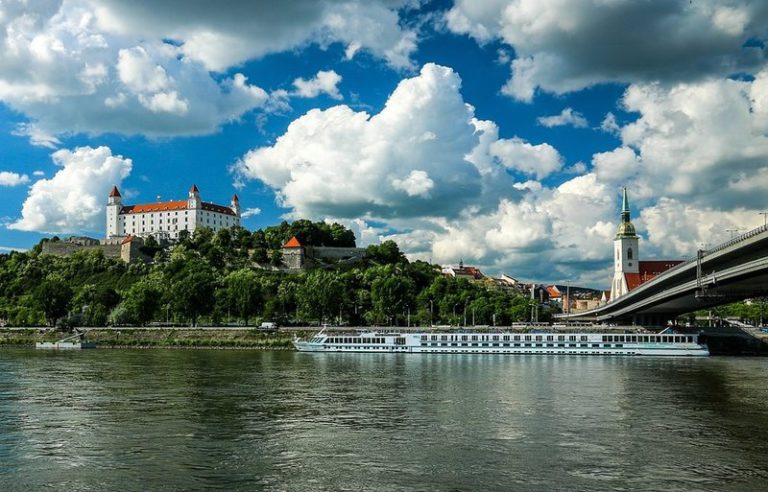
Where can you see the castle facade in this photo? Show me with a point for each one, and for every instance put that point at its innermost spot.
(166, 220)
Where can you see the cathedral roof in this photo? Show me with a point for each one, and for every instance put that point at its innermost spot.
(194, 189)
(115, 192)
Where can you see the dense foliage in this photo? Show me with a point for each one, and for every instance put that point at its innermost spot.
(227, 277)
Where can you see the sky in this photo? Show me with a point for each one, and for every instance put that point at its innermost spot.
(497, 132)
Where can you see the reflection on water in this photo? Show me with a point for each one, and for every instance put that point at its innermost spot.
(253, 420)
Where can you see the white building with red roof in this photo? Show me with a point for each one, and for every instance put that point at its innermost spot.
(165, 220)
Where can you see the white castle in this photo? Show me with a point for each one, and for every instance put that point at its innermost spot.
(165, 220)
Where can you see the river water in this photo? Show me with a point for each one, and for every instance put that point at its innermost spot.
(259, 420)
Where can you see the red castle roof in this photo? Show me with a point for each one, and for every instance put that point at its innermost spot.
(115, 192)
(174, 205)
(292, 243)
(194, 189)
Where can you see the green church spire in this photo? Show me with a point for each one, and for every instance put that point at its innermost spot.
(626, 228)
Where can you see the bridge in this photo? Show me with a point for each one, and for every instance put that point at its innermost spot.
(732, 271)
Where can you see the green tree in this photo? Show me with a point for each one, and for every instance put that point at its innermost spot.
(386, 253)
(53, 296)
(142, 302)
(243, 293)
(392, 293)
(192, 291)
(319, 296)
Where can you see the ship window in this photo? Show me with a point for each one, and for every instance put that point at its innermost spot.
(572, 338)
(423, 338)
(583, 338)
(433, 337)
(505, 338)
(495, 338)
(561, 338)
(607, 345)
(464, 338)
(539, 345)
(571, 344)
(549, 338)
(538, 338)
(474, 338)
(517, 338)
(584, 345)
(528, 338)
(444, 337)
(619, 345)
(595, 345)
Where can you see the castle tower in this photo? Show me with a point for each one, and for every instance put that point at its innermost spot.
(236, 205)
(193, 202)
(114, 205)
(626, 252)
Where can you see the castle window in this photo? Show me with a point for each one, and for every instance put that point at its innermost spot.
(629, 254)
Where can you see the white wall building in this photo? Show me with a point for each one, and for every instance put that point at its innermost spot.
(167, 219)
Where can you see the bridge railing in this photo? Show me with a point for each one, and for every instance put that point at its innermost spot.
(719, 247)
(738, 239)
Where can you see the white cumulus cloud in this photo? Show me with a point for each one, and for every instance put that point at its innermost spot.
(563, 45)
(140, 67)
(567, 117)
(325, 82)
(250, 212)
(73, 200)
(12, 179)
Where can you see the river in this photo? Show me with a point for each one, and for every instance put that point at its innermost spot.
(287, 421)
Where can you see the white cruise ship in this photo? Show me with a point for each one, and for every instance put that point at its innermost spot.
(502, 342)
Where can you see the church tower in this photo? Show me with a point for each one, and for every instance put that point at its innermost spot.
(114, 205)
(626, 252)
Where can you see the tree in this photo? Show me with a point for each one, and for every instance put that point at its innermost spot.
(243, 293)
(53, 296)
(385, 253)
(192, 291)
(142, 302)
(319, 296)
(391, 294)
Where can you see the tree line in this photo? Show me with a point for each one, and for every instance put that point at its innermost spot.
(232, 276)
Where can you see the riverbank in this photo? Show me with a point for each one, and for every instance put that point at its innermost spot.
(158, 338)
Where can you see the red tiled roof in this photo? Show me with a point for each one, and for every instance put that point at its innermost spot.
(154, 207)
(655, 267)
(292, 243)
(648, 271)
(174, 205)
(114, 192)
(212, 207)
(127, 239)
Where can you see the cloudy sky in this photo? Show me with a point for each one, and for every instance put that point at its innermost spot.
(497, 131)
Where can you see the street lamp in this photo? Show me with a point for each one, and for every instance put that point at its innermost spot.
(431, 312)
(454, 311)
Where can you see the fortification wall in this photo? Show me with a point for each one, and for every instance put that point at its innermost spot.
(66, 249)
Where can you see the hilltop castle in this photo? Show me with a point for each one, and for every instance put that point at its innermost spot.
(165, 220)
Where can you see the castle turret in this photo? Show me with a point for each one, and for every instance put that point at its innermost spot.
(626, 251)
(194, 202)
(114, 205)
(236, 205)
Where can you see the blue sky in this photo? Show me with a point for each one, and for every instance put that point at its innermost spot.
(499, 132)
